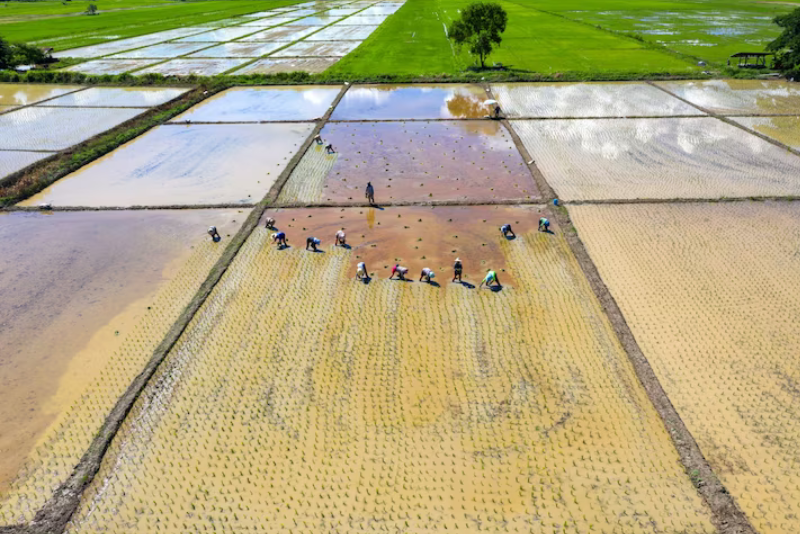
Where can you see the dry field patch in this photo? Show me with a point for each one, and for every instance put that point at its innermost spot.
(300, 399)
(712, 294)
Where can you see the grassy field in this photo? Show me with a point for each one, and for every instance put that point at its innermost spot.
(553, 36)
(127, 18)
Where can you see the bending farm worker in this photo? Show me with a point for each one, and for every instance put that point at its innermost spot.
(506, 229)
(491, 278)
(457, 270)
(212, 231)
(361, 271)
(427, 274)
(370, 193)
(280, 239)
(544, 225)
(312, 242)
(329, 148)
(340, 239)
(270, 223)
(318, 139)
(400, 271)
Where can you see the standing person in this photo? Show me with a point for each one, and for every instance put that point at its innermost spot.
(457, 270)
(280, 239)
(270, 223)
(370, 193)
(400, 271)
(427, 274)
(491, 278)
(361, 272)
(212, 231)
(506, 229)
(497, 111)
(544, 225)
(312, 242)
(340, 239)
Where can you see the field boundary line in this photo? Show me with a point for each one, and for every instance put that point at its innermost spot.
(46, 209)
(54, 516)
(280, 183)
(590, 202)
(726, 515)
(726, 119)
(33, 104)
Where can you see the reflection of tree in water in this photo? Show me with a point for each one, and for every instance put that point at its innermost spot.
(466, 105)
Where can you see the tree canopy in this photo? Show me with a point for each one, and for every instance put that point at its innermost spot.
(479, 28)
(787, 45)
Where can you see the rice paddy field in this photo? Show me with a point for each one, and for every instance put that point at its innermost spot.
(632, 370)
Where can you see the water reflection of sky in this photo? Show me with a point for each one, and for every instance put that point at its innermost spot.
(411, 102)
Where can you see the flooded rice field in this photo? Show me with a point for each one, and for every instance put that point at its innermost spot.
(14, 160)
(201, 67)
(282, 33)
(86, 299)
(548, 100)
(717, 321)
(110, 66)
(238, 50)
(186, 165)
(267, 23)
(419, 161)
(221, 35)
(318, 49)
(382, 102)
(277, 103)
(734, 97)
(317, 21)
(416, 237)
(298, 396)
(361, 20)
(139, 97)
(341, 32)
(783, 129)
(657, 158)
(24, 94)
(47, 128)
(161, 51)
(312, 65)
(113, 47)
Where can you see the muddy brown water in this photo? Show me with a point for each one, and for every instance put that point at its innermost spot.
(412, 102)
(22, 94)
(415, 237)
(474, 160)
(67, 279)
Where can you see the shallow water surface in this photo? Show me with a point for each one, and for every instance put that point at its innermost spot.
(243, 104)
(183, 165)
(110, 66)
(23, 94)
(783, 129)
(339, 32)
(144, 97)
(199, 66)
(443, 101)
(161, 51)
(313, 65)
(14, 160)
(318, 49)
(237, 50)
(729, 97)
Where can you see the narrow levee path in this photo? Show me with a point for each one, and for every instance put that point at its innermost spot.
(56, 513)
(727, 516)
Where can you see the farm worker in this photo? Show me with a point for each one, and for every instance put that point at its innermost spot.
(506, 229)
(318, 139)
(544, 225)
(361, 271)
(427, 274)
(400, 271)
(497, 111)
(457, 269)
(312, 242)
(280, 238)
(370, 193)
(270, 223)
(329, 149)
(340, 238)
(491, 278)
(212, 231)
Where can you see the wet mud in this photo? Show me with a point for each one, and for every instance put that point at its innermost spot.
(161, 51)
(318, 49)
(238, 50)
(657, 158)
(190, 165)
(549, 100)
(446, 101)
(224, 34)
(75, 286)
(731, 97)
(140, 97)
(201, 67)
(243, 104)
(313, 65)
(394, 406)
(43, 128)
(339, 32)
(419, 161)
(783, 129)
(283, 33)
(110, 66)
(23, 94)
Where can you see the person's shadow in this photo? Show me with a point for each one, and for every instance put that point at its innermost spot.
(510, 237)
(319, 250)
(377, 207)
(466, 284)
(434, 283)
(345, 246)
(549, 231)
(281, 247)
(496, 289)
(217, 238)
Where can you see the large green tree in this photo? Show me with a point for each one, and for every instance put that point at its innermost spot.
(479, 28)
(787, 45)
(5, 54)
